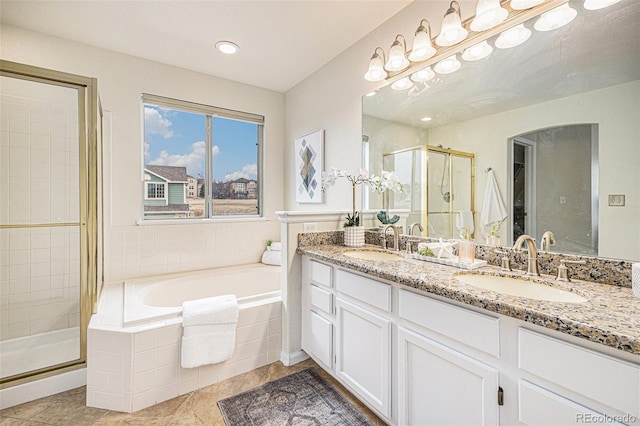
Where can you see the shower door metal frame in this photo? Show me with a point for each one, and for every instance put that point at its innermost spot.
(424, 164)
(89, 169)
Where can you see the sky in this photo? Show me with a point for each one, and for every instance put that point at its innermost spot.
(177, 138)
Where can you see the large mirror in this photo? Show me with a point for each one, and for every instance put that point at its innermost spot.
(556, 120)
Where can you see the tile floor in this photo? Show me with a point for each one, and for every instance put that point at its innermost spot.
(195, 408)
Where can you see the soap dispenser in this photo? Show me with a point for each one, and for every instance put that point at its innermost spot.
(467, 248)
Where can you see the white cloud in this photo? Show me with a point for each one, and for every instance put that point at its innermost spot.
(248, 172)
(193, 161)
(215, 150)
(146, 150)
(154, 123)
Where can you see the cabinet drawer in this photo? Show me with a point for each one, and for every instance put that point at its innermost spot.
(538, 406)
(320, 273)
(471, 328)
(610, 381)
(321, 299)
(373, 292)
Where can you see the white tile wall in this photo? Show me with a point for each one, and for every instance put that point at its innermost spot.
(129, 371)
(39, 282)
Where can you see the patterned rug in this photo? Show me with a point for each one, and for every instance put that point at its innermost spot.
(301, 399)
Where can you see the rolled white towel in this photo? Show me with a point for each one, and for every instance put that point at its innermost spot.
(277, 246)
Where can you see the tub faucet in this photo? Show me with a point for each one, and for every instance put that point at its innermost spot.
(413, 225)
(532, 267)
(547, 240)
(383, 237)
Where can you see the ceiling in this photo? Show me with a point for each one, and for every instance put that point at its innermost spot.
(281, 42)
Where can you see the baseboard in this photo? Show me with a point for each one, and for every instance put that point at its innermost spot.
(31, 391)
(288, 358)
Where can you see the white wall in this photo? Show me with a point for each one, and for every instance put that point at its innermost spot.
(132, 250)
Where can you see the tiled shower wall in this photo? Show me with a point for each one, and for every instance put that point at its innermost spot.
(39, 175)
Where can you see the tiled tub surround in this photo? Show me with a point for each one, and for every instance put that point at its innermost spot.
(609, 317)
(131, 368)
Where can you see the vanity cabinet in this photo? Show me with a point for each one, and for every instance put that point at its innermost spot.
(421, 359)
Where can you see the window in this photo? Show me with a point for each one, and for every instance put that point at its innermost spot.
(200, 161)
(155, 190)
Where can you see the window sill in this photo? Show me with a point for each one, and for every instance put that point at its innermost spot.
(230, 219)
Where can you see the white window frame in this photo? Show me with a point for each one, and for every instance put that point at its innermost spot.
(209, 112)
(146, 190)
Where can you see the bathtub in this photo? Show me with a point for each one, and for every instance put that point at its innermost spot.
(133, 342)
(156, 298)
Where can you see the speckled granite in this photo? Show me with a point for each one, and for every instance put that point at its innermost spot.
(596, 269)
(611, 316)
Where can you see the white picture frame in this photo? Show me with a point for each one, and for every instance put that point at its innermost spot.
(309, 163)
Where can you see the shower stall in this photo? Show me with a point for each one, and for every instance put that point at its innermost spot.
(437, 183)
(50, 140)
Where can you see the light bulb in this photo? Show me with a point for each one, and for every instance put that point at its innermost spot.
(477, 52)
(524, 4)
(489, 13)
(422, 48)
(424, 74)
(376, 70)
(513, 37)
(227, 47)
(448, 65)
(397, 56)
(452, 31)
(598, 4)
(555, 18)
(402, 84)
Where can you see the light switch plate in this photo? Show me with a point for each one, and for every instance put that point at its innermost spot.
(616, 200)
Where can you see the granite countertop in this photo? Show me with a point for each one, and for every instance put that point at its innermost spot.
(610, 316)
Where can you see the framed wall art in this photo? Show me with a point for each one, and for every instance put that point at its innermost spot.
(309, 158)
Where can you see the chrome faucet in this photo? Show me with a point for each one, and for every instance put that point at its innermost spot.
(413, 225)
(548, 239)
(383, 237)
(532, 267)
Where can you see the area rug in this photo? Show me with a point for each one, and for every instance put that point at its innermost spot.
(301, 399)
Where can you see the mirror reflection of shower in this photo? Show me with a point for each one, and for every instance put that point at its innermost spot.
(446, 196)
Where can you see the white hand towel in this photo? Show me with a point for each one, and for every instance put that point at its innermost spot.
(464, 219)
(493, 208)
(209, 335)
(211, 310)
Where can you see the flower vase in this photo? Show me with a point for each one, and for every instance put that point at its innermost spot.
(354, 236)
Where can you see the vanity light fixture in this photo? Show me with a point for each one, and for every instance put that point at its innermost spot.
(524, 4)
(598, 4)
(227, 47)
(397, 55)
(422, 47)
(477, 51)
(452, 31)
(376, 70)
(555, 18)
(489, 13)
(448, 65)
(513, 37)
(425, 74)
(402, 84)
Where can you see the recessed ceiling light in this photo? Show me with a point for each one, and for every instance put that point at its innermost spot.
(227, 47)
(425, 119)
(368, 95)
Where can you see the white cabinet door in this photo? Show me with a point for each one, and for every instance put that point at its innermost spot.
(440, 386)
(363, 349)
(320, 339)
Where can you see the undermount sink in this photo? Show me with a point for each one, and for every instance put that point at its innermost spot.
(520, 288)
(372, 255)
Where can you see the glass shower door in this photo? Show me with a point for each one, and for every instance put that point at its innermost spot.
(40, 225)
